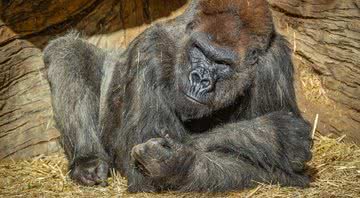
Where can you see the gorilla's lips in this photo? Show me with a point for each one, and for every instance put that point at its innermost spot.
(141, 168)
(193, 99)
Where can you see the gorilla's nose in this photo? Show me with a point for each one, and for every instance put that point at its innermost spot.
(201, 77)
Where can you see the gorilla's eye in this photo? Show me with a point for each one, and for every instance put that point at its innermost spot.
(224, 69)
(222, 62)
(254, 52)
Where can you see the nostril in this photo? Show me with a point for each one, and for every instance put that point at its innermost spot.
(205, 83)
(195, 77)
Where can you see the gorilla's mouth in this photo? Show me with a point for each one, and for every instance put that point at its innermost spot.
(194, 100)
(141, 168)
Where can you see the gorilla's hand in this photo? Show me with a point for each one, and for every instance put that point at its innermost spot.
(163, 158)
(90, 171)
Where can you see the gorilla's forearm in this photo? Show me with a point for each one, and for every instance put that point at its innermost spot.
(74, 72)
(75, 99)
(218, 172)
(267, 140)
(271, 148)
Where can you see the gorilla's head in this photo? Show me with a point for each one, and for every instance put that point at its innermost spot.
(219, 56)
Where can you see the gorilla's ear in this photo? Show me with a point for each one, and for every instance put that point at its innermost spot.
(274, 89)
(252, 56)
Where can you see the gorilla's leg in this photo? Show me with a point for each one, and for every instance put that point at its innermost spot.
(74, 74)
(271, 149)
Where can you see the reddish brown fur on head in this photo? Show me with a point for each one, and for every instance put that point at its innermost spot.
(238, 24)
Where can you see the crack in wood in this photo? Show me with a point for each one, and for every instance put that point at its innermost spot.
(66, 24)
(293, 15)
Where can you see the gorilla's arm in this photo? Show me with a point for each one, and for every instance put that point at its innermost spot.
(145, 102)
(74, 73)
(273, 148)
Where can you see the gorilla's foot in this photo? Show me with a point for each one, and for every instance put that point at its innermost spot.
(90, 171)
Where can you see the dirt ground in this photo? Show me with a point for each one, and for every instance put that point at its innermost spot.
(335, 170)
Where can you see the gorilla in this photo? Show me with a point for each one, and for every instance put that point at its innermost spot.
(204, 102)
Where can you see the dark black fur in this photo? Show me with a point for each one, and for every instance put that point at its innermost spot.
(181, 108)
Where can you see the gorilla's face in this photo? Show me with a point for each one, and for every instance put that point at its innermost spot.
(211, 76)
(217, 61)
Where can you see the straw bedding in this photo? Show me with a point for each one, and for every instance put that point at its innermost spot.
(335, 170)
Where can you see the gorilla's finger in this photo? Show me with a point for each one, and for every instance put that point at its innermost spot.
(173, 143)
(164, 133)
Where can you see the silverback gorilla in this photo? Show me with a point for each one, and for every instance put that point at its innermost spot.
(203, 102)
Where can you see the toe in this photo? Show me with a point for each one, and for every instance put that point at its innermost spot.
(86, 180)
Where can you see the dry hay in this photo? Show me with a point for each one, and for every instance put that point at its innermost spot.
(335, 169)
(310, 82)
